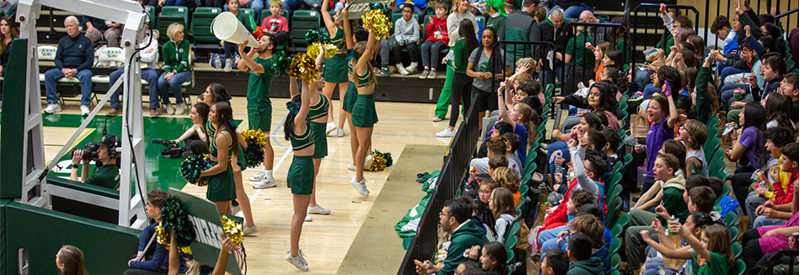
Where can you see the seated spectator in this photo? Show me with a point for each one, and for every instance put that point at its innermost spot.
(612, 144)
(69, 260)
(722, 29)
(521, 116)
(760, 241)
(560, 215)
(693, 134)
(106, 173)
(599, 54)
(149, 57)
(747, 150)
(256, 5)
(579, 250)
(789, 87)
(500, 128)
(716, 244)
(512, 147)
(601, 98)
(778, 106)
(418, 7)
(8, 31)
(493, 258)
(455, 219)
(406, 36)
(496, 146)
(156, 201)
(776, 211)
(482, 215)
(74, 58)
(99, 29)
(556, 262)
(508, 178)
(276, 24)
(503, 209)
(177, 68)
(195, 137)
(249, 24)
(558, 152)
(436, 33)
(572, 9)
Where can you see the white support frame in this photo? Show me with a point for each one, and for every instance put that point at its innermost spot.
(131, 207)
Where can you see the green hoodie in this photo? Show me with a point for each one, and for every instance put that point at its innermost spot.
(592, 266)
(464, 237)
(672, 198)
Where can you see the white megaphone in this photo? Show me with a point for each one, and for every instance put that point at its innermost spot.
(227, 28)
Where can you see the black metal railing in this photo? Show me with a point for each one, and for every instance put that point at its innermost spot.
(423, 245)
(648, 25)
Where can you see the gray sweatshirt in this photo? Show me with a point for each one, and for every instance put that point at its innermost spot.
(406, 30)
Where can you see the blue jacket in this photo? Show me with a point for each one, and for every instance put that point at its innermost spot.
(605, 258)
(417, 3)
(160, 257)
(75, 53)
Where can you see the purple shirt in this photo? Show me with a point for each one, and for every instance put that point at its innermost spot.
(751, 140)
(522, 132)
(659, 132)
(774, 243)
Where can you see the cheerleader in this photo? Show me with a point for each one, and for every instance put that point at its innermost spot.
(298, 131)
(221, 187)
(317, 113)
(334, 75)
(364, 114)
(214, 93)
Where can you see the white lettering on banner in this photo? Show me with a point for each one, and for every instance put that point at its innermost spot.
(207, 232)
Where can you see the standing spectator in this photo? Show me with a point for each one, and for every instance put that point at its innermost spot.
(276, 24)
(520, 26)
(546, 32)
(580, 60)
(99, 29)
(148, 56)
(495, 15)
(458, 12)
(461, 82)
(483, 67)
(8, 31)
(436, 33)
(256, 5)
(74, 58)
(249, 24)
(406, 35)
(177, 69)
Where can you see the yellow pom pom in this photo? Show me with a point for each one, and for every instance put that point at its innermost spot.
(233, 230)
(378, 23)
(303, 67)
(256, 137)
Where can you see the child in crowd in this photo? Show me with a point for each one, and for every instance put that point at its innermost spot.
(599, 53)
(579, 251)
(492, 259)
(591, 226)
(249, 24)
(789, 87)
(663, 115)
(760, 241)
(485, 193)
(556, 221)
(482, 216)
(502, 205)
(436, 33)
(698, 225)
(693, 134)
(612, 144)
(777, 139)
(406, 36)
(747, 151)
(778, 107)
(508, 178)
(556, 262)
(776, 211)
(495, 146)
(512, 147)
(558, 152)
(589, 171)
(156, 201)
(276, 24)
(677, 149)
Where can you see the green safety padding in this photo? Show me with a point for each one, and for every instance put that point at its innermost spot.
(13, 130)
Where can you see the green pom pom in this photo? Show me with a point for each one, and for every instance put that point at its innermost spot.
(192, 166)
(380, 6)
(281, 62)
(254, 155)
(318, 35)
(174, 216)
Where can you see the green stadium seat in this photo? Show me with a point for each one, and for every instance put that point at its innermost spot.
(302, 21)
(614, 247)
(151, 10)
(730, 219)
(613, 210)
(734, 233)
(736, 249)
(615, 260)
(616, 191)
(481, 20)
(615, 271)
(738, 268)
(616, 168)
(623, 220)
(616, 231)
(172, 14)
(201, 24)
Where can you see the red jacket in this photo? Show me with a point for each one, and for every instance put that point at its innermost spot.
(784, 196)
(559, 215)
(435, 25)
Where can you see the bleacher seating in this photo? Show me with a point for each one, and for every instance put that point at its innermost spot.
(201, 25)
(172, 14)
(302, 21)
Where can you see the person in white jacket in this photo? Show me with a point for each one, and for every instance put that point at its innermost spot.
(406, 35)
(148, 57)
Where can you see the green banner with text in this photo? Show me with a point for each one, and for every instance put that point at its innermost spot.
(207, 225)
(357, 8)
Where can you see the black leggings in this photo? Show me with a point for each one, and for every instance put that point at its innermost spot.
(740, 182)
(751, 253)
(460, 92)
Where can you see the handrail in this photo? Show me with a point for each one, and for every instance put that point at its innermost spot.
(668, 6)
(786, 14)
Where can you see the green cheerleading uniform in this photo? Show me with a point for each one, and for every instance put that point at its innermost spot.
(301, 172)
(364, 113)
(240, 160)
(221, 187)
(333, 72)
(320, 137)
(352, 92)
(259, 106)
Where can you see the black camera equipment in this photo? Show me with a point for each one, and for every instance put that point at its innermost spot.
(173, 150)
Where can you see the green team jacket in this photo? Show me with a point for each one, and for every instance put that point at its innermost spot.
(461, 56)
(463, 238)
(176, 58)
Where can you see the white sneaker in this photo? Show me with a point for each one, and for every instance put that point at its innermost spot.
(249, 230)
(317, 209)
(266, 182)
(299, 262)
(170, 109)
(361, 186)
(308, 217)
(52, 108)
(236, 209)
(180, 109)
(228, 65)
(412, 68)
(368, 162)
(339, 132)
(351, 166)
(259, 176)
(437, 119)
(85, 110)
(446, 133)
(401, 70)
(330, 128)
